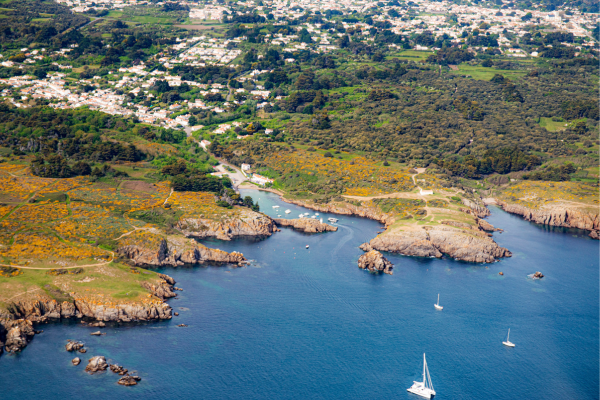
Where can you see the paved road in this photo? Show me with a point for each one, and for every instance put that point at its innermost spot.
(236, 177)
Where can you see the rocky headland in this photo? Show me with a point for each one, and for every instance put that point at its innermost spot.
(556, 214)
(375, 262)
(344, 208)
(435, 241)
(16, 323)
(459, 240)
(154, 249)
(247, 223)
(308, 225)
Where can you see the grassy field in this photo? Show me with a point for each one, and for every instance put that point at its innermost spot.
(485, 74)
(552, 126)
(413, 55)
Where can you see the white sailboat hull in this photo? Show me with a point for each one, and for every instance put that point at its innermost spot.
(508, 344)
(420, 390)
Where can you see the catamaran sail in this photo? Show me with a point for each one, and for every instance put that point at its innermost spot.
(425, 388)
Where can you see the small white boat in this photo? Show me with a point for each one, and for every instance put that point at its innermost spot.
(317, 214)
(275, 206)
(313, 216)
(334, 220)
(508, 343)
(301, 216)
(287, 211)
(307, 246)
(437, 306)
(425, 388)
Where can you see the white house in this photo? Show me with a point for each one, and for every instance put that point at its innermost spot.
(204, 144)
(246, 167)
(425, 192)
(261, 180)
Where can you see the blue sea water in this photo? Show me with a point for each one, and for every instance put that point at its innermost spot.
(303, 323)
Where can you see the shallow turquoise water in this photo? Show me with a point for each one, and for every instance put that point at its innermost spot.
(300, 324)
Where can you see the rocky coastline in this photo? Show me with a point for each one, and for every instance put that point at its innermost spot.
(16, 324)
(248, 224)
(176, 251)
(346, 209)
(435, 241)
(307, 225)
(555, 215)
(463, 243)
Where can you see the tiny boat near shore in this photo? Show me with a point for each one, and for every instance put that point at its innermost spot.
(287, 211)
(332, 220)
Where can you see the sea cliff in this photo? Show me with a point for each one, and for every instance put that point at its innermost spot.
(568, 216)
(172, 250)
(16, 322)
(435, 241)
(249, 223)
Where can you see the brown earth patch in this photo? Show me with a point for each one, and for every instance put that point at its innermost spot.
(138, 186)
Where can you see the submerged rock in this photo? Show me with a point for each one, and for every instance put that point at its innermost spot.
(538, 275)
(96, 364)
(98, 333)
(308, 225)
(375, 262)
(129, 380)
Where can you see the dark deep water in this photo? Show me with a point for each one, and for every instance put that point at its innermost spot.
(308, 324)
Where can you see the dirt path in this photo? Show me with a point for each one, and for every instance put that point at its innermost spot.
(22, 293)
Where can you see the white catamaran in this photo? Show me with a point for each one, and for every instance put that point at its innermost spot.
(508, 342)
(437, 306)
(425, 388)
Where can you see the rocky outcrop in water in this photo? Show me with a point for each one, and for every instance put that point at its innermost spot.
(557, 215)
(176, 251)
(129, 380)
(375, 262)
(73, 345)
(96, 364)
(308, 225)
(435, 241)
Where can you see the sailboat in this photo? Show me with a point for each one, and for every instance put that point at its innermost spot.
(508, 343)
(425, 388)
(437, 306)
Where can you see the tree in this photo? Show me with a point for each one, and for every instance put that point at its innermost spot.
(81, 168)
(193, 121)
